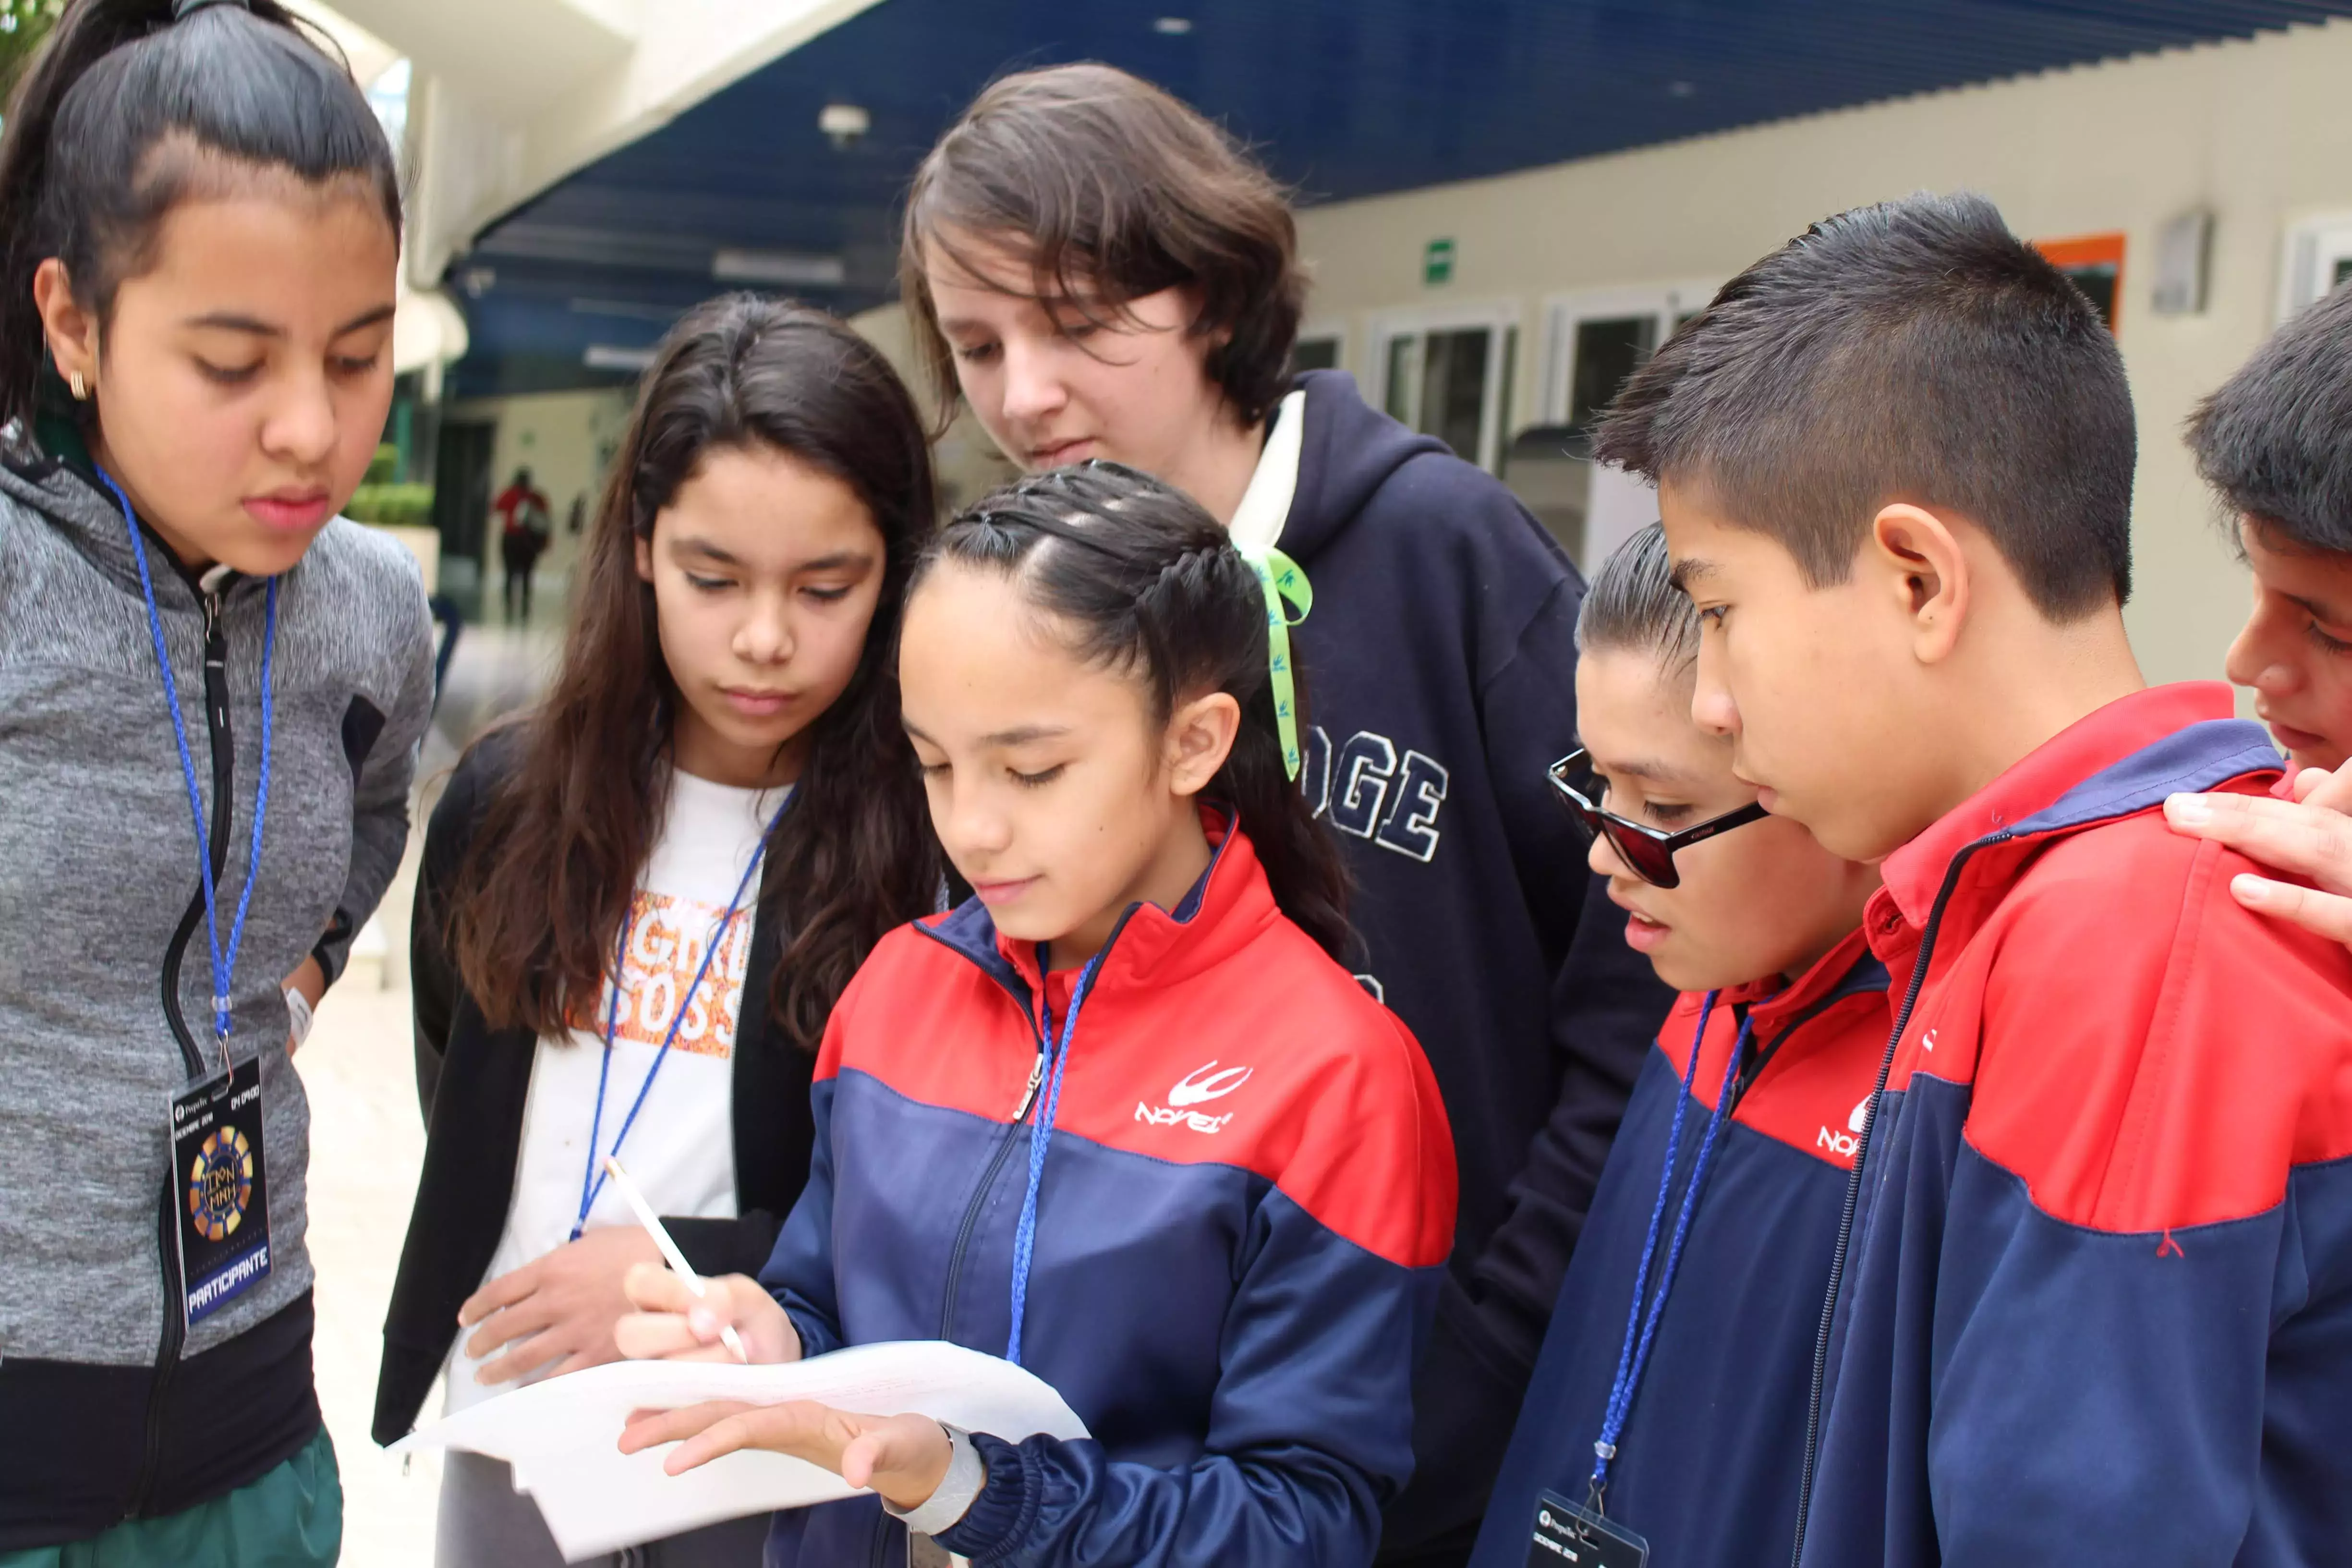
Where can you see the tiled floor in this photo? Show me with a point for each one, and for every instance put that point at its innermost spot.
(367, 1135)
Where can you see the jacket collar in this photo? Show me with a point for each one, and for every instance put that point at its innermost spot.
(1230, 906)
(1265, 505)
(49, 470)
(2123, 758)
(87, 519)
(1848, 969)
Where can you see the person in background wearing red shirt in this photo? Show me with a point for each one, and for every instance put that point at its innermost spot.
(525, 524)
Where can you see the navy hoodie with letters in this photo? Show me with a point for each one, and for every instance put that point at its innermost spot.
(1440, 666)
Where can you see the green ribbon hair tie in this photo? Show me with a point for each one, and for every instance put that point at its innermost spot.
(1285, 588)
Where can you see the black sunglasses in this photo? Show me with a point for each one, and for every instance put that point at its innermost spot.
(1647, 852)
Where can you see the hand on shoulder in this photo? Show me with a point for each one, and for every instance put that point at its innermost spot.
(2309, 837)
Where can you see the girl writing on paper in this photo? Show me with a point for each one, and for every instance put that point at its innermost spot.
(1123, 1117)
(639, 904)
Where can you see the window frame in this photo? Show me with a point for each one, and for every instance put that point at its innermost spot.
(1502, 318)
(1563, 313)
(2315, 247)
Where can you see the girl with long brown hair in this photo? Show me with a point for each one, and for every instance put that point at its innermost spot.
(639, 903)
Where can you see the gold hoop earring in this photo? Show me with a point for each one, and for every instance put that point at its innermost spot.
(79, 387)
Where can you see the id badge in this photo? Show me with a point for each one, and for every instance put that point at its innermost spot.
(220, 1190)
(922, 1551)
(1568, 1533)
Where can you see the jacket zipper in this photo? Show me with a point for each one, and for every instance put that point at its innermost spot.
(224, 759)
(1753, 1071)
(1042, 1022)
(1853, 1183)
(987, 1183)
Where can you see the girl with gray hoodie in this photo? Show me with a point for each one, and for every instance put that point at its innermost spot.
(211, 691)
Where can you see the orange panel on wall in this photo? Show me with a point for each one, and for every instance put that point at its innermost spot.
(2095, 263)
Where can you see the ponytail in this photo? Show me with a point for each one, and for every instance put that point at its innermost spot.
(116, 122)
(1152, 586)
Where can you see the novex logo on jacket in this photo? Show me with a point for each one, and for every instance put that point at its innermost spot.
(1196, 1087)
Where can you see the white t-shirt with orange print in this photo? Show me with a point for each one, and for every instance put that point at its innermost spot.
(680, 1150)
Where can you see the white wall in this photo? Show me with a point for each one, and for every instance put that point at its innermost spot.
(2259, 133)
(965, 460)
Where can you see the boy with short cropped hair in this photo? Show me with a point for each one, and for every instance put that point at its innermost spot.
(2094, 1301)
(2276, 443)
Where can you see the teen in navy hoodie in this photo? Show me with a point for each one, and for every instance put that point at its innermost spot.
(1151, 321)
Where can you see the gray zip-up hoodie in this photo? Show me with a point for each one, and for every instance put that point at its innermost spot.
(109, 1408)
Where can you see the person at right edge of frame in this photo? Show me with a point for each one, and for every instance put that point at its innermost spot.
(1097, 270)
(2093, 1301)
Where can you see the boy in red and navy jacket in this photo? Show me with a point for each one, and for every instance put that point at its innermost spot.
(1707, 1461)
(2093, 1297)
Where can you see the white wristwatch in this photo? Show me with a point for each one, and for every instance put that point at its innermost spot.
(298, 1018)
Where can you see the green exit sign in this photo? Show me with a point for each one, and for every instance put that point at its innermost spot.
(1437, 262)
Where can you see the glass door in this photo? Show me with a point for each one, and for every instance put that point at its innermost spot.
(1315, 352)
(1449, 376)
(1594, 343)
(1605, 353)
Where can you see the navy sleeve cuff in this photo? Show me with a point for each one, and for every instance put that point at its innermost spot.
(1003, 1513)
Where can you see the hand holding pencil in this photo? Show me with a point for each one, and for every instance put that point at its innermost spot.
(681, 1316)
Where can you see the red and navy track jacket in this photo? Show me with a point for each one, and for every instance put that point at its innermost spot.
(2098, 1304)
(1247, 1201)
(1706, 1466)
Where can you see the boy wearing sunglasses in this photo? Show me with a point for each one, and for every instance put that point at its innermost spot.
(1670, 1400)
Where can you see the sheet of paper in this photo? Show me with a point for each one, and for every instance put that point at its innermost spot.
(561, 1436)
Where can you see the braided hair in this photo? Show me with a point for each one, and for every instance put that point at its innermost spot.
(1139, 579)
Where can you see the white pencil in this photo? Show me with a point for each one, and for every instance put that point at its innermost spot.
(677, 1263)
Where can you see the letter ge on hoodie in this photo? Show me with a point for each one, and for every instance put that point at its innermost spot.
(1441, 667)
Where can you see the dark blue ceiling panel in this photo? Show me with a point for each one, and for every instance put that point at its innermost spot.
(1342, 98)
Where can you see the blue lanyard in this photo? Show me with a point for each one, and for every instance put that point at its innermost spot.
(1639, 1329)
(1025, 1237)
(223, 961)
(591, 1180)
